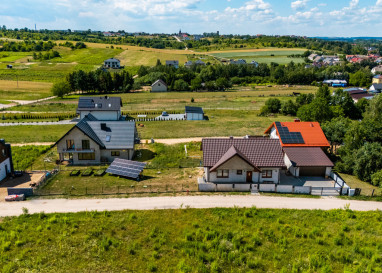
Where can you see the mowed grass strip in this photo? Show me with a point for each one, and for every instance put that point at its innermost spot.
(193, 240)
(24, 90)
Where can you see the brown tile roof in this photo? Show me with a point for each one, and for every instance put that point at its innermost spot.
(260, 151)
(232, 151)
(307, 157)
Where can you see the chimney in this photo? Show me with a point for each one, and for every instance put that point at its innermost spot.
(103, 126)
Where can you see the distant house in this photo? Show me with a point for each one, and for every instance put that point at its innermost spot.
(377, 79)
(159, 86)
(254, 63)
(357, 97)
(376, 69)
(376, 88)
(188, 64)
(194, 113)
(198, 37)
(102, 108)
(239, 61)
(355, 90)
(312, 56)
(173, 63)
(112, 63)
(9, 66)
(242, 160)
(303, 144)
(93, 141)
(6, 163)
(335, 83)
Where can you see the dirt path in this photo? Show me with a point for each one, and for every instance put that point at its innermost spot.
(171, 141)
(34, 144)
(149, 203)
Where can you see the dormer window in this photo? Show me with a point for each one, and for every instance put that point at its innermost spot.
(108, 137)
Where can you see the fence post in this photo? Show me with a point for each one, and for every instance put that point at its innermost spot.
(86, 190)
(372, 193)
(322, 189)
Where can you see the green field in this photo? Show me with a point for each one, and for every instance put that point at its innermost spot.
(24, 90)
(192, 240)
(263, 55)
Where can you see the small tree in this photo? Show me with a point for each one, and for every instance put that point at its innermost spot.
(60, 89)
(273, 105)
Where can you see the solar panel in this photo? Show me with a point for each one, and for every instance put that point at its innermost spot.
(126, 168)
(85, 103)
(289, 137)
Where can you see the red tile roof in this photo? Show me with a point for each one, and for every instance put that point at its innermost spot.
(311, 133)
(259, 151)
(307, 157)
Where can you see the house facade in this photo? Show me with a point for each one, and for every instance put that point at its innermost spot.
(92, 142)
(112, 63)
(6, 163)
(102, 108)
(242, 160)
(377, 79)
(376, 88)
(159, 86)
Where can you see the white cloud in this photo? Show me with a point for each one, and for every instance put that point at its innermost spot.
(299, 4)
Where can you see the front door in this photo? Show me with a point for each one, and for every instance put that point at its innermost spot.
(249, 176)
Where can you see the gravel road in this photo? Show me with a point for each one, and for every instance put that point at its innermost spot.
(149, 203)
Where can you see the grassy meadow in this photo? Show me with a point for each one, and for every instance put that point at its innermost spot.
(264, 55)
(24, 90)
(193, 240)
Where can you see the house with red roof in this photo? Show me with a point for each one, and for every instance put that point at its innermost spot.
(303, 144)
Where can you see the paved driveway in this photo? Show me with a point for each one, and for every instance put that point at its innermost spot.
(149, 203)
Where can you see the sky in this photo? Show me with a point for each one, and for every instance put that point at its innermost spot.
(340, 18)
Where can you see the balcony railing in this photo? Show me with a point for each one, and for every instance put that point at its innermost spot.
(78, 150)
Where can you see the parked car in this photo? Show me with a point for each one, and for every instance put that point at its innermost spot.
(15, 197)
(164, 113)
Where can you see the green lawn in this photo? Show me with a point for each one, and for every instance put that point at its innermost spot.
(24, 90)
(263, 56)
(33, 133)
(193, 240)
(366, 188)
(7, 57)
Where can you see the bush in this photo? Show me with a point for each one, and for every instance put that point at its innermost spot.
(376, 178)
(273, 105)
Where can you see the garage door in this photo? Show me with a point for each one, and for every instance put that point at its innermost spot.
(312, 171)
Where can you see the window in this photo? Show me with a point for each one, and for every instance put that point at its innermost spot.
(108, 138)
(69, 144)
(85, 144)
(223, 173)
(86, 156)
(239, 172)
(115, 153)
(266, 174)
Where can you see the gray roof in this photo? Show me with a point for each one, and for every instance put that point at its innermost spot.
(104, 103)
(307, 156)
(159, 81)
(122, 133)
(377, 86)
(112, 60)
(192, 109)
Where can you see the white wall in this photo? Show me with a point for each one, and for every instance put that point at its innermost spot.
(124, 154)
(102, 115)
(275, 175)
(273, 133)
(159, 87)
(3, 171)
(194, 116)
(328, 170)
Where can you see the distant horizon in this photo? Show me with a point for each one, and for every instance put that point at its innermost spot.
(311, 18)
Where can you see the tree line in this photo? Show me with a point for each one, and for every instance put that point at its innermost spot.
(26, 46)
(99, 81)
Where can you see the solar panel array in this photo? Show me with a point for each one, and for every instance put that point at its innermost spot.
(126, 168)
(85, 103)
(289, 137)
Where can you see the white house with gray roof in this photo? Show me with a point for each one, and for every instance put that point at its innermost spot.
(102, 108)
(93, 141)
(112, 63)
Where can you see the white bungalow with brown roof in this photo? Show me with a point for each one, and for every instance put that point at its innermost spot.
(242, 160)
(159, 86)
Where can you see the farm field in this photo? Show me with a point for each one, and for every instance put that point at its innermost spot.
(265, 55)
(24, 90)
(193, 240)
(221, 123)
(235, 99)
